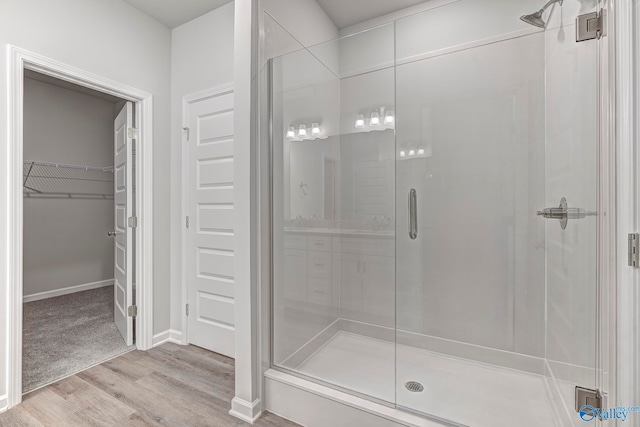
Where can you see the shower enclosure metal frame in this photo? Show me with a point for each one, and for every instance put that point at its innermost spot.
(616, 115)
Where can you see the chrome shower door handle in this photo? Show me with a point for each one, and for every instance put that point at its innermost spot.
(413, 214)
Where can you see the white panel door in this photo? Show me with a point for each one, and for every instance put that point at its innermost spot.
(210, 233)
(123, 242)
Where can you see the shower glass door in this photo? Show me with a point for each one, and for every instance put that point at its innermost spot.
(495, 305)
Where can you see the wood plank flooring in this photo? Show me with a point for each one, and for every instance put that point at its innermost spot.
(170, 385)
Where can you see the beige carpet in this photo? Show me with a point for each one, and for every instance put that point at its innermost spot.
(67, 334)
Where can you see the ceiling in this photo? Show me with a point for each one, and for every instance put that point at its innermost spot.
(173, 13)
(348, 12)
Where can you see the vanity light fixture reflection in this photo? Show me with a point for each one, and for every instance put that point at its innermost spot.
(315, 129)
(375, 118)
(360, 121)
(291, 132)
(389, 117)
(302, 131)
(420, 151)
(412, 152)
(403, 153)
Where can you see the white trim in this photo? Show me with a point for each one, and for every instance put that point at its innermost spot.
(66, 291)
(246, 411)
(3, 403)
(161, 338)
(17, 61)
(628, 278)
(248, 362)
(187, 100)
(170, 335)
(606, 348)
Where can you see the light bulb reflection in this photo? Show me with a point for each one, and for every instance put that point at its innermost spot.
(291, 132)
(389, 117)
(375, 119)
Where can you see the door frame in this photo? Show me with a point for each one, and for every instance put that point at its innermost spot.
(624, 301)
(18, 61)
(187, 100)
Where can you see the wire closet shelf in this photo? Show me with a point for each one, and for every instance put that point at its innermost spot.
(43, 179)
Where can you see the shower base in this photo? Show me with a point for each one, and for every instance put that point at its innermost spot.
(460, 390)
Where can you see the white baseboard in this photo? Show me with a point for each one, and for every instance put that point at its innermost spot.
(3, 403)
(248, 412)
(170, 335)
(66, 291)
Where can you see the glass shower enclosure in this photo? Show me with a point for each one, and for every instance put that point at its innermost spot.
(434, 206)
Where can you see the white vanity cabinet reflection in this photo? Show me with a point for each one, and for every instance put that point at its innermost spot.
(355, 274)
(367, 280)
(309, 266)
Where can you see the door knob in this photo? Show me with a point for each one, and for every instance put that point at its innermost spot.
(112, 233)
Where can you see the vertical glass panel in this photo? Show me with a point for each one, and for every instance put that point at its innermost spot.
(571, 173)
(495, 305)
(333, 171)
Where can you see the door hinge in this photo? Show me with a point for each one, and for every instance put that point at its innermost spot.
(590, 26)
(186, 129)
(132, 133)
(634, 253)
(132, 221)
(187, 309)
(133, 310)
(586, 396)
(187, 222)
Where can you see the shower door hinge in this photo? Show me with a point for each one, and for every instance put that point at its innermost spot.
(132, 222)
(187, 222)
(133, 310)
(586, 396)
(187, 310)
(186, 129)
(132, 133)
(634, 252)
(590, 26)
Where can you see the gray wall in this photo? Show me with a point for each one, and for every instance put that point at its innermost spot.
(65, 240)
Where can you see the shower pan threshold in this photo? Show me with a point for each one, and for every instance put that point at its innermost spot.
(496, 397)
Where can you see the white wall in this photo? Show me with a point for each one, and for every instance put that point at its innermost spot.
(65, 239)
(116, 41)
(201, 58)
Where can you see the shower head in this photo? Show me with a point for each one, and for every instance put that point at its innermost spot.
(535, 18)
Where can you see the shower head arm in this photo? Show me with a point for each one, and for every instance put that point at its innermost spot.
(549, 3)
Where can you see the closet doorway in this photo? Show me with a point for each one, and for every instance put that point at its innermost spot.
(80, 210)
(78, 195)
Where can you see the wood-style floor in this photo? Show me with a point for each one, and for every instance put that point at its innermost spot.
(170, 385)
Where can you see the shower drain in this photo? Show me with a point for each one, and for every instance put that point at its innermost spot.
(414, 386)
